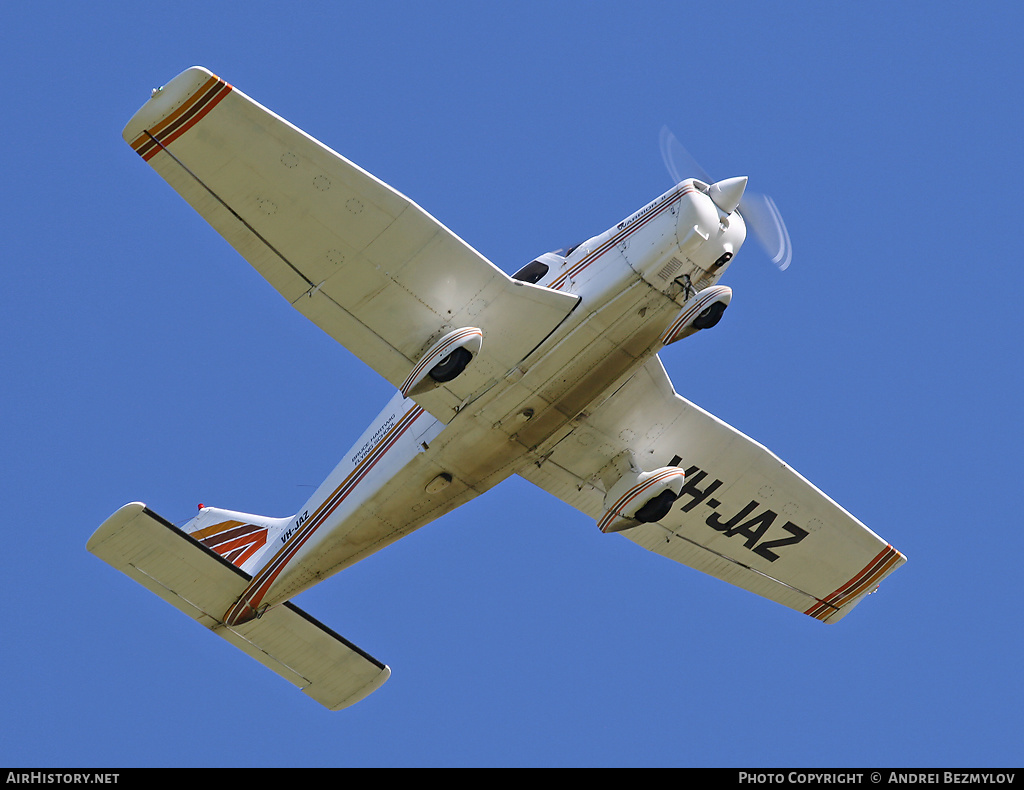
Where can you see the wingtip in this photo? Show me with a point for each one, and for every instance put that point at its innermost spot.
(166, 99)
(113, 523)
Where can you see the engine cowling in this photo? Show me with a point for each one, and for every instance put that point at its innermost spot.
(639, 497)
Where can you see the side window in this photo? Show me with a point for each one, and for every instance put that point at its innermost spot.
(532, 272)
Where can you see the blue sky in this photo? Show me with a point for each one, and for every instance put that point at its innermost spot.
(142, 359)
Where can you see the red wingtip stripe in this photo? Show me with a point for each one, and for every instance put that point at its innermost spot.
(883, 562)
(192, 110)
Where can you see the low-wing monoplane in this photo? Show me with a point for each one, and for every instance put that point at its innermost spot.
(552, 374)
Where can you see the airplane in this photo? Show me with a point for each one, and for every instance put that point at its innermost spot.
(551, 374)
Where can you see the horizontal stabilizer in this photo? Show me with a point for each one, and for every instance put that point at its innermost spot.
(199, 582)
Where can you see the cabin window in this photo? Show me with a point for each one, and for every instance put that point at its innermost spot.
(532, 272)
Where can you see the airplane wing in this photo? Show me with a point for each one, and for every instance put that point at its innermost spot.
(743, 515)
(361, 261)
(202, 584)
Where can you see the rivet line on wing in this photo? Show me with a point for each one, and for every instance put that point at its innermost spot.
(234, 213)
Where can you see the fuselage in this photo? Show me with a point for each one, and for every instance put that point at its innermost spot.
(408, 468)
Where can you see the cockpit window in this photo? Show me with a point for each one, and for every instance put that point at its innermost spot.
(532, 272)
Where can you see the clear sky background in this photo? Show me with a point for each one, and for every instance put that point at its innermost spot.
(143, 359)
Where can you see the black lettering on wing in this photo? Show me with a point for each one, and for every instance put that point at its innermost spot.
(752, 530)
(693, 477)
(729, 527)
(796, 534)
(752, 527)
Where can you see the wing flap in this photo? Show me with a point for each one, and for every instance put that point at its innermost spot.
(203, 585)
(363, 262)
(743, 516)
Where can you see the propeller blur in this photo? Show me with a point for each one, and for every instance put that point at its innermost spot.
(764, 221)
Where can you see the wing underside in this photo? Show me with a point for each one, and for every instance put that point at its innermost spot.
(743, 516)
(361, 261)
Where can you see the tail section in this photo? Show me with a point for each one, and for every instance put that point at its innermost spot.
(199, 580)
(241, 538)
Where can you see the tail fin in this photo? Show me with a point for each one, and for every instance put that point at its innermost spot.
(241, 538)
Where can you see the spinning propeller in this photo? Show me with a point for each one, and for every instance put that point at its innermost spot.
(759, 212)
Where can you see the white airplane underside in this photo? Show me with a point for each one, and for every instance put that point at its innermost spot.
(551, 374)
